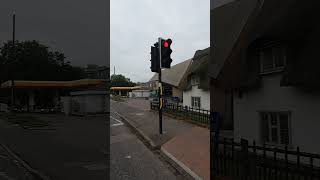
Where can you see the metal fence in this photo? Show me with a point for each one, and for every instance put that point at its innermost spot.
(241, 160)
(196, 115)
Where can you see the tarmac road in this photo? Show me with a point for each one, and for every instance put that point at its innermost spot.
(72, 148)
(130, 158)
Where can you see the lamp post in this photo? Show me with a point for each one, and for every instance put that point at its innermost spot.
(12, 60)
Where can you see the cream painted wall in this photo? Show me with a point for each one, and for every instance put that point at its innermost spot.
(196, 92)
(304, 107)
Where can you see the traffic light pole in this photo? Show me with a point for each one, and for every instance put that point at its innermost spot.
(160, 90)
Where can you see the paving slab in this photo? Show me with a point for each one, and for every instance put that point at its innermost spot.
(191, 150)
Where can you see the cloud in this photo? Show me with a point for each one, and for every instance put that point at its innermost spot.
(78, 27)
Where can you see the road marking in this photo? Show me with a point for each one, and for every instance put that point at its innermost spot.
(117, 124)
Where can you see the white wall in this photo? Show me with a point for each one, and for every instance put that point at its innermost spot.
(95, 103)
(86, 103)
(66, 106)
(304, 107)
(196, 92)
(138, 93)
(78, 104)
(89, 102)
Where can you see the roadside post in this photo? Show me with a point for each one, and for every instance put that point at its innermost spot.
(160, 89)
(160, 58)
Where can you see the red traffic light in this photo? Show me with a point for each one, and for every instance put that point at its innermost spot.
(167, 43)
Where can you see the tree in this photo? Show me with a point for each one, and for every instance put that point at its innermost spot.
(30, 60)
(121, 81)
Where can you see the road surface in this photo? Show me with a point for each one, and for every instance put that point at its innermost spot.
(131, 159)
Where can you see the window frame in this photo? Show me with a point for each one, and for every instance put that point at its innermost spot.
(274, 69)
(278, 143)
(198, 102)
(195, 80)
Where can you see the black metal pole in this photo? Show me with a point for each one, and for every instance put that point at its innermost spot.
(13, 57)
(160, 103)
(213, 144)
(160, 90)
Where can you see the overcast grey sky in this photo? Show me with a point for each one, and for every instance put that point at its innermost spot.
(136, 25)
(78, 27)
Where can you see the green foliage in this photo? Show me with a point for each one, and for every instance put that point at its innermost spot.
(119, 80)
(30, 60)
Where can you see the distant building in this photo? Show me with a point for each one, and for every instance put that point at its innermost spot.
(139, 93)
(123, 91)
(144, 85)
(81, 97)
(196, 92)
(97, 72)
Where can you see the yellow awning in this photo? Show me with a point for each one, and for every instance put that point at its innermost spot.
(52, 84)
(125, 88)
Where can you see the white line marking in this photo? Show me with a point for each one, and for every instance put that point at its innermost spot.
(117, 124)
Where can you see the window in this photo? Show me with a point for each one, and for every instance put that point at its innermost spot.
(272, 59)
(195, 102)
(275, 127)
(195, 80)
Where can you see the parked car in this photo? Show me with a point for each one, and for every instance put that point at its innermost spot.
(44, 110)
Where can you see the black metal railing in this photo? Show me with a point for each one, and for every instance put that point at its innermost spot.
(241, 160)
(197, 115)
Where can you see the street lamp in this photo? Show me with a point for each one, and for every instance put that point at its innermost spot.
(12, 60)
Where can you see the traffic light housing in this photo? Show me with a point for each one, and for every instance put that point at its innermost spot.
(166, 53)
(155, 63)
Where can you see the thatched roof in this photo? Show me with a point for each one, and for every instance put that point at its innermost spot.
(238, 24)
(200, 62)
(227, 22)
(199, 66)
(174, 75)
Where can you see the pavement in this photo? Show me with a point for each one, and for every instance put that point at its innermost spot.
(195, 158)
(184, 145)
(69, 148)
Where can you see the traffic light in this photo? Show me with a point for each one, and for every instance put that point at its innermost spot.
(155, 63)
(166, 53)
